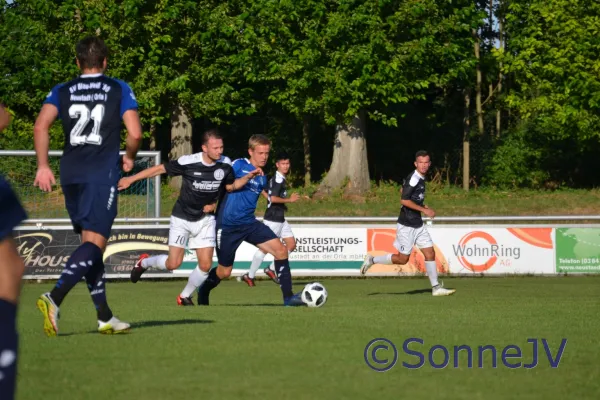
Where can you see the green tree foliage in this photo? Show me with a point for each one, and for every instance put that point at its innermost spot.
(554, 58)
(553, 61)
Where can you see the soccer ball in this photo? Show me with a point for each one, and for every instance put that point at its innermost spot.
(314, 294)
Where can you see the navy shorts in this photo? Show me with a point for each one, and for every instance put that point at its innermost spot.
(229, 239)
(91, 207)
(11, 211)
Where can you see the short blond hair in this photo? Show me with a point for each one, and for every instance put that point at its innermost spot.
(258, 140)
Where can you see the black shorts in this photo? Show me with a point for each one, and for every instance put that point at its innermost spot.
(91, 207)
(11, 211)
(229, 239)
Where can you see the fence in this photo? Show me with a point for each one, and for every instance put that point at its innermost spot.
(19, 168)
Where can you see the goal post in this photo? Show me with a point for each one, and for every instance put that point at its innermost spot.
(140, 200)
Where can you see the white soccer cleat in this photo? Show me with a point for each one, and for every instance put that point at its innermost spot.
(439, 290)
(366, 264)
(113, 326)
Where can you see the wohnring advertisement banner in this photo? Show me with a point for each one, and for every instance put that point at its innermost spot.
(339, 250)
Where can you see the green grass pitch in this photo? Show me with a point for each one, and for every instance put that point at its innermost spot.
(247, 346)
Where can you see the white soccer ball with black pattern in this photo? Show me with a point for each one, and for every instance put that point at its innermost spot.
(314, 294)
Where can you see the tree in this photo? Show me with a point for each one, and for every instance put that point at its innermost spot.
(552, 61)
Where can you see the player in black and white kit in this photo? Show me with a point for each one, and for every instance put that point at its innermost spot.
(192, 219)
(275, 218)
(410, 228)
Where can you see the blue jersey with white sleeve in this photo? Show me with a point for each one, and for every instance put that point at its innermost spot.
(238, 207)
(91, 109)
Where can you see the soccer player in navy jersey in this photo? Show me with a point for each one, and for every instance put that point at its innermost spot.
(410, 230)
(11, 272)
(236, 223)
(91, 108)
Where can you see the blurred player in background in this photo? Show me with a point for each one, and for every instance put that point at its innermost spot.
(274, 218)
(410, 228)
(91, 108)
(11, 272)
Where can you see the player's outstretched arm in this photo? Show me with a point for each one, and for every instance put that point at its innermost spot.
(4, 118)
(151, 172)
(132, 122)
(44, 178)
(241, 182)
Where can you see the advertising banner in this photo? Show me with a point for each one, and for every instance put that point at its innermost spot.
(318, 249)
(339, 250)
(578, 250)
(45, 252)
(480, 250)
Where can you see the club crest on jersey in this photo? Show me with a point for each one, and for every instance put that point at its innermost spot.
(219, 174)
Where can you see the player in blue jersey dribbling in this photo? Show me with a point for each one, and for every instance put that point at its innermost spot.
(236, 223)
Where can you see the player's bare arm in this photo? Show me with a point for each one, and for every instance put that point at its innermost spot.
(292, 199)
(425, 210)
(4, 118)
(241, 182)
(151, 172)
(131, 120)
(44, 178)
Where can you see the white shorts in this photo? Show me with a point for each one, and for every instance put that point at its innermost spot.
(407, 237)
(281, 229)
(201, 234)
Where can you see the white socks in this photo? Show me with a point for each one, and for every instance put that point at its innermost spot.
(196, 279)
(257, 260)
(431, 268)
(384, 259)
(156, 262)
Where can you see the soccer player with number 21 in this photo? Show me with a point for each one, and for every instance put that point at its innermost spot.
(91, 108)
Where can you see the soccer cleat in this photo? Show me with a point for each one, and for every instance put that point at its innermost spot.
(366, 264)
(294, 301)
(51, 314)
(138, 270)
(113, 326)
(271, 274)
(250, 281)
(184, 301)
(439, 290)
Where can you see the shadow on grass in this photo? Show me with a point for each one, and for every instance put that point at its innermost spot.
(252, 305)
(418, 291)
(148, 324)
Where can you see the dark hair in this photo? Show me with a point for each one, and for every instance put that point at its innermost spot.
(211, 133)
(282, 155)
(421, 153)
(91, 52)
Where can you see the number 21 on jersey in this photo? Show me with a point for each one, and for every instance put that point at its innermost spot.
(84, 115)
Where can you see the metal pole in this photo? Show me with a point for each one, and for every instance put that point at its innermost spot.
(157, 161)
